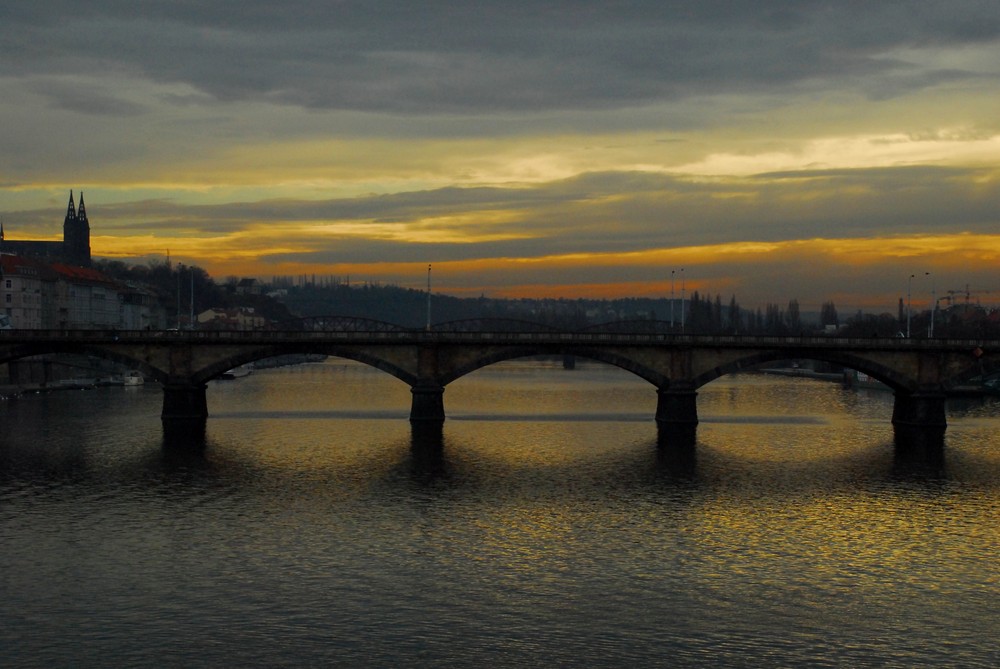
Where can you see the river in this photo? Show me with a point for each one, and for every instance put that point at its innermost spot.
(544, 527)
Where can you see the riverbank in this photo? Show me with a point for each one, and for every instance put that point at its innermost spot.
(13, 391)
(861, 381)
(802, 372)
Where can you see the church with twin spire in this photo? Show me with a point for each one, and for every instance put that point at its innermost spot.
(52, 285)
(74, 249)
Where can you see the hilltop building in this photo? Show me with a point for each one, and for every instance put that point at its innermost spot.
(74, 249)
(51, 285)
(238, 318)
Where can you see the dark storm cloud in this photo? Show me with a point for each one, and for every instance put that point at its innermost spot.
(468, 58)
(85, 99)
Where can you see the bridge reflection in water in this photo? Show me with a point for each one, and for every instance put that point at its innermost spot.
(921, 372)
(918, 453)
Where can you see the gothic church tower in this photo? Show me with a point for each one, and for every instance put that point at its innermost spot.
(76, 234)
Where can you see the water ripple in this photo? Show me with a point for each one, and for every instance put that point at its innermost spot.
(547, 524)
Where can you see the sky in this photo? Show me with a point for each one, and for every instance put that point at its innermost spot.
(768, 150)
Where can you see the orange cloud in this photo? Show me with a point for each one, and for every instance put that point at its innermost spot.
(868, 273)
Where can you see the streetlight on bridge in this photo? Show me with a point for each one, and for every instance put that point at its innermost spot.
(672, 299)
(930, 328)
(909, 292)
(909, 311)
(428, 298)
(682, 299)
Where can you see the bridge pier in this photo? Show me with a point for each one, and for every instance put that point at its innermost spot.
(676, 407)
(920, 409)
(184, 434)
(428, 403)
(184, 401)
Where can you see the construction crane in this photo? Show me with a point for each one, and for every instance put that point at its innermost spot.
(951, 297)
(967, 292)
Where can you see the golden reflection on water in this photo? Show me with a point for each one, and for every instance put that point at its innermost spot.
(547, 518)
(815, 493)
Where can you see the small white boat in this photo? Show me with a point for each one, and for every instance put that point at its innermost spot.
(237, 372)
(134, 378)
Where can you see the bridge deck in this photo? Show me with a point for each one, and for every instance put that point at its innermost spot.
(228, 337)
(920, 371)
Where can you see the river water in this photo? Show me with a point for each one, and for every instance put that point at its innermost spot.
(544, 527)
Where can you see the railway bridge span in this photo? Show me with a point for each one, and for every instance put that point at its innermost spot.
(921, 372)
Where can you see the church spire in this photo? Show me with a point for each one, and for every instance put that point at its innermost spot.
(81, 212)
(76, 235)
(71, 209)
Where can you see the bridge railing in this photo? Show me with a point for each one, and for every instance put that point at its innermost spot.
(265, 337)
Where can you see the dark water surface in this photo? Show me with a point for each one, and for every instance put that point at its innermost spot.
(548, 528)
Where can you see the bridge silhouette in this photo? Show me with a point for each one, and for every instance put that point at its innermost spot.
(921, 372)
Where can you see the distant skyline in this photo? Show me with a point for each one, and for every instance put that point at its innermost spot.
(772, 150)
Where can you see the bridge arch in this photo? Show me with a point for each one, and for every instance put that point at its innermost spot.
(28, 350)
(505, 353)
(890, 377)
(219, 367)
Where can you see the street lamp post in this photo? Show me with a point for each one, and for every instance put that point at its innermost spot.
(672, 299)
(909, 286)
(191, 306)
(930, 328)
(682, 299)
(428, 298)
(180, 269)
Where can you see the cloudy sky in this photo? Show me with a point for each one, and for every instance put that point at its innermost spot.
(764, 149)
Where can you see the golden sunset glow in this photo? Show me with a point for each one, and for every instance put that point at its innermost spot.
(742, 165)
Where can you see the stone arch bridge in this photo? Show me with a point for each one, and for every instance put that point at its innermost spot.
(921, 372)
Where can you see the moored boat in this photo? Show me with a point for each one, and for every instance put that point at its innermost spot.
(133, 378)
(237, 372)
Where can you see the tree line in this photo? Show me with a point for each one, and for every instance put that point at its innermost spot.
(408, 307)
